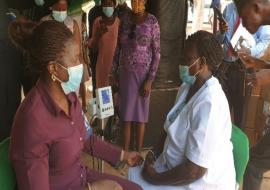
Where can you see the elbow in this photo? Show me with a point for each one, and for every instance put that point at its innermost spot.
(199, 174)
(196, 174)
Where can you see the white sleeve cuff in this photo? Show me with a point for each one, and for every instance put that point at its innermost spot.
(197, 160)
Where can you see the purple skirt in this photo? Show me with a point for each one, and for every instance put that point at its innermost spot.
(133, 107)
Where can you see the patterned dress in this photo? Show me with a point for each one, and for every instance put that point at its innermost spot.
(136, 60)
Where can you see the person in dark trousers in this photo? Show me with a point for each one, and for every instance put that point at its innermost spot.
(10, 74)
(95, 12)
(256, 13)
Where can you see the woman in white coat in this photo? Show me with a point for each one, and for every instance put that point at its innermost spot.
(197, 151)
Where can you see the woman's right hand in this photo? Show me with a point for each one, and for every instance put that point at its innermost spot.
(145, 89)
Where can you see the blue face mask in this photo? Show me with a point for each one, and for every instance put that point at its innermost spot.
(184, 73)
(75, 77)
(108, 11)
(59, 16)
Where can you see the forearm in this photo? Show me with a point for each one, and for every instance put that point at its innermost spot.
(103, 150)
(262, 64)
(153, 68)
(183, 174)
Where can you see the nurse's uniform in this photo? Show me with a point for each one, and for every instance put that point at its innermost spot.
(199, 131)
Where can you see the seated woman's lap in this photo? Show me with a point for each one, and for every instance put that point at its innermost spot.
(93, 176)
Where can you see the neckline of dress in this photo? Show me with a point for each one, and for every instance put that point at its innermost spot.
(183, 96)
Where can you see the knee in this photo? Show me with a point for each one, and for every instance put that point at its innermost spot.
(115, 185)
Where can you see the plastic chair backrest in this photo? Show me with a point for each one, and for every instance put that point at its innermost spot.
(7, 173)
(240, 152)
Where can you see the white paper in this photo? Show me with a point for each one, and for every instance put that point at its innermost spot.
(242, 32)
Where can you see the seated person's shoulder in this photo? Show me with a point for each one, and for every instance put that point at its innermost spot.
(30, 109)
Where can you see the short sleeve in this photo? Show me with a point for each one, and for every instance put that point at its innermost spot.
(202, 136)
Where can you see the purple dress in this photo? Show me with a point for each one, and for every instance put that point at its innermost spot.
(136, 60)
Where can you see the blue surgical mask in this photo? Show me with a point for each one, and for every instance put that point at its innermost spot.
(59, 16)
(108, 11)
(75, 77)
(184, 73)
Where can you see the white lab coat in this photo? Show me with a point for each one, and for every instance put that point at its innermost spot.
(200, 133)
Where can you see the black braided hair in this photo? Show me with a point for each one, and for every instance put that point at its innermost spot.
(43, 42)
(114, 1)
(207, 46)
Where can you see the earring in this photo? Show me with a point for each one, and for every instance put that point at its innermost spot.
(53, 77)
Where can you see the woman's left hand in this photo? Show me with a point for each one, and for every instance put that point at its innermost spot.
(149, 173)
(133, 158)
(145, 89)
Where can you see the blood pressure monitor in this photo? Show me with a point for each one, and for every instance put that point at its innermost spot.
(104, 102)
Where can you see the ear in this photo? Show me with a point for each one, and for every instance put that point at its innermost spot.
(52, 68)
(202, 62)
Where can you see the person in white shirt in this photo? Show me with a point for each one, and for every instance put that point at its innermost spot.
(197, 151)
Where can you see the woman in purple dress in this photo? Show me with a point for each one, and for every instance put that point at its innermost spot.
(135, 66)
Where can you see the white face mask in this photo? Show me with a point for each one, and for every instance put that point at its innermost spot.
(59, 16)
(75, 77)
(39, 2)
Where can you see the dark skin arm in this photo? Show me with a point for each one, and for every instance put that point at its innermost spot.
(252, 62)
(182, 174)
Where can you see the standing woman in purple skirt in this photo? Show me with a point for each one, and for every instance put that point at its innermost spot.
(135, 66)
